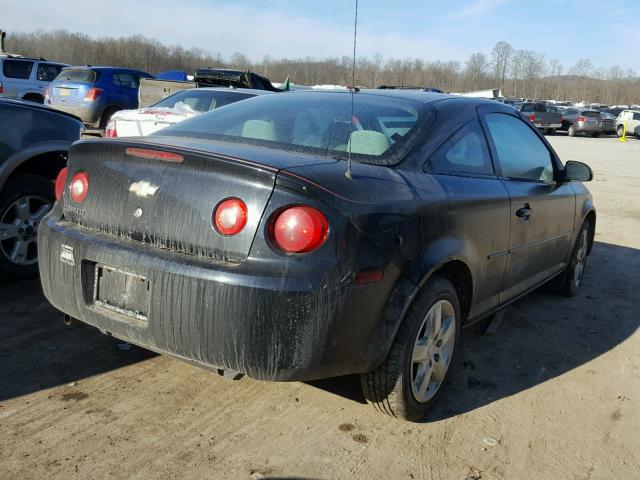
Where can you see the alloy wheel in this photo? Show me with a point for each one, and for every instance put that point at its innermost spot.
(432, 350)
(19, 229)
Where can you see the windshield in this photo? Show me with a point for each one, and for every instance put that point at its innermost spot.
(77, 76)
(201, 101)
(590, 113)
(382, 130)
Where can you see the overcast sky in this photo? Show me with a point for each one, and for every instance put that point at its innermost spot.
(605, 31)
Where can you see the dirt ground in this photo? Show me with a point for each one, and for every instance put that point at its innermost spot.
(554, 394)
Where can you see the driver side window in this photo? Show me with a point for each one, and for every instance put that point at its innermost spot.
(521, 154)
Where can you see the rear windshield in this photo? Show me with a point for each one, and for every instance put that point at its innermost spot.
(77, 76)
(590, 114)
(200, 100)
(381, 130)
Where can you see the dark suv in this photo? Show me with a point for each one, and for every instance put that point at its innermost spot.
(95, 93)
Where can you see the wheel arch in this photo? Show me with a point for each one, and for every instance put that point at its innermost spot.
(45, 160)
(453, 268)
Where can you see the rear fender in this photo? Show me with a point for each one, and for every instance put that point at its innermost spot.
(436, 255)
(18, 158)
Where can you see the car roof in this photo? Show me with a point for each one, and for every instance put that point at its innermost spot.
(9, 56)
(414, 95)
(251, 91)
(99, 68)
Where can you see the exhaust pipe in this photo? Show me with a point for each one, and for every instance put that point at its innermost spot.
(67, 319)
(3, 34)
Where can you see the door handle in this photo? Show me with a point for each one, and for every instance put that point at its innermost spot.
(524, 212)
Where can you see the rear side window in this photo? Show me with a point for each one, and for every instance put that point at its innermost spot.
(465, 152)
(127, 80)
(636, 116)
(521, 154)
(47, 72)
(77, 76)
(20, 69)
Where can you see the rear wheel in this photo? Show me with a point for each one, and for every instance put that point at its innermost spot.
(620, 131)
(551, 131)
(572, 131)
(106, 115)
(24, 201)
(410, 380)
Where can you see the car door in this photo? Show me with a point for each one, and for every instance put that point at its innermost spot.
(473, 210)
(127, 84)
(542, 210)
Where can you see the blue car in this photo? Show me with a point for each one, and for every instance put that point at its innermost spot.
(95, 93)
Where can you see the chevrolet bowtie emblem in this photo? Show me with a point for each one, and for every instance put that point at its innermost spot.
(143, 189)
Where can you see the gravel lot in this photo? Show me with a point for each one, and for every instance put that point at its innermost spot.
(554, 394)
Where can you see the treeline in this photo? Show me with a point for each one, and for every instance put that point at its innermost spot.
(520, 73)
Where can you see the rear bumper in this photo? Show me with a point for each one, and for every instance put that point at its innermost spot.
(221, 316)
(547, 126)
(89, 112)
(589, 128)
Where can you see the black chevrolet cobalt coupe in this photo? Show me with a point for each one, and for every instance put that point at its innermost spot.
(300, 236)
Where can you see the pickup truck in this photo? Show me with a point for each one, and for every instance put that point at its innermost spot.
(154, 90)
(541, 115)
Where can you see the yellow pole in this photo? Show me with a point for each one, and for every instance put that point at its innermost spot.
(623, 138)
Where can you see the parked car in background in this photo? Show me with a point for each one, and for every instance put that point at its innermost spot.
(179, 106)
(34, 143)
(578, 121)
(314, 234)
(95, 93)
(153, 90)
(608, 123)
(630, 118)
(542, 116)
(26, 78)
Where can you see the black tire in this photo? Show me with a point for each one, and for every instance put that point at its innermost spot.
(390, 387)
(39, 192)
(551, 131)
(620, 131)
(568, 283)
(572, 131)
(106, 115)
(595, 135)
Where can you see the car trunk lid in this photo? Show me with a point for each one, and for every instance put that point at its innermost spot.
(167, 203)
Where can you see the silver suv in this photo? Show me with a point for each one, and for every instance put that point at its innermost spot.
(632, 120)
(26, 78)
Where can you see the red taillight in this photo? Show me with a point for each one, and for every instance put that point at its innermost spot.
(111, 131)
(92, 94)
(581, 119)
(532, 117)
(230, 216)
(47, 94)
(300, 229)
(61, 181)
(79, 187)
(155, 154)
(1, 88)
(561, 119)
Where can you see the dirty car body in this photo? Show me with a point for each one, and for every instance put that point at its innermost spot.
(141, 257)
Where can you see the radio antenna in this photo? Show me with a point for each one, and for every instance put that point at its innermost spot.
(353, 91)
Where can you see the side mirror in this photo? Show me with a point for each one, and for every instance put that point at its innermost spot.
(577, 172)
